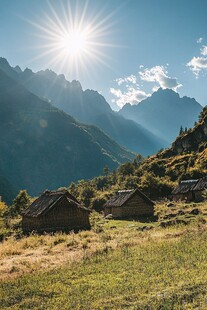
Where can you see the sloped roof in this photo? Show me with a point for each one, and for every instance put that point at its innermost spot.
(184, 187)
(201, 185)
(121, 197)
(48, 200)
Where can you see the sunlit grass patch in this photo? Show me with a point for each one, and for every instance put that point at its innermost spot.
(28, 254)
(167, 274)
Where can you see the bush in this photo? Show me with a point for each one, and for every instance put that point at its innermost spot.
(97, 203)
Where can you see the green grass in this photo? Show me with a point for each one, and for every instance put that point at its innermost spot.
(166, 274)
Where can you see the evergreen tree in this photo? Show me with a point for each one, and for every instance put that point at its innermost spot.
(73, 189)
(181, 130)
(138, 160)
(20, 203)
(106, 170)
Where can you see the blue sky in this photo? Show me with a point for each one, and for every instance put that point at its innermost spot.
(137, 45)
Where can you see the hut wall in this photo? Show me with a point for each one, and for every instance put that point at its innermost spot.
(117, 212)
(62, 217)
(198, 196)
(107, 210)
(178, 197)
(136, 206)
(188, 197)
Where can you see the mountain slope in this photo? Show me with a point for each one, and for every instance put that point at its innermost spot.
(7, 191)
(187, 158)
(157, 175)
(42, 147)
(164, 113)
(127, 132)
(86, 106)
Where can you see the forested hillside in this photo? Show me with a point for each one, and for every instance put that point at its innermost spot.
(156, 175)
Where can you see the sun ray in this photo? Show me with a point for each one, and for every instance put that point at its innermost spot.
(72, 39)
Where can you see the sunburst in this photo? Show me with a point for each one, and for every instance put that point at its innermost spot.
(72, 38)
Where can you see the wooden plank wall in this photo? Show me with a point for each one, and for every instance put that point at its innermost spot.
(63, 217)
(135, 206)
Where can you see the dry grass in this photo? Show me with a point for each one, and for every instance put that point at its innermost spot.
(48, 252)
(167, 270)
(166, 267)
(45, 252)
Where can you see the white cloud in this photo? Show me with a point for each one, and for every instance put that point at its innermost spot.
(199, 40)
(158, 74)
(132, 96)
(204, 50)
(198, 64)
(128, 90)
(119, 81)
(129, 79)
(155, 88)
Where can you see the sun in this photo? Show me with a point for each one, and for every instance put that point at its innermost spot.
(71, 40)
(75, 42)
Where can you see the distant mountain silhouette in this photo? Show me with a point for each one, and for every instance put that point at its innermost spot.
(43, 147)
(164, 113)
(86, 106)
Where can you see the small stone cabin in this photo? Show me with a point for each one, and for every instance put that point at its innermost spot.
(129, 203)
(55, 211)
(190, 190)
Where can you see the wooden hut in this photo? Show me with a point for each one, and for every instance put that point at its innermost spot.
(184, 191)
(55, 211)
(190, 190)
(129, 203)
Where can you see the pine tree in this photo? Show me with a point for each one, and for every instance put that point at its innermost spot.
(20, 203)
(106, 170)
(181, 130)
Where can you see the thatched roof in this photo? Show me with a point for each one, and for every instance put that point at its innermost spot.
(121, 197)
(48, 200)
(190, 185)
(201, 185)
(184, 187)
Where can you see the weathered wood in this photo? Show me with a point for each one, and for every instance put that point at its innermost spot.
(136, 204)
(190, 190)
(64, 215)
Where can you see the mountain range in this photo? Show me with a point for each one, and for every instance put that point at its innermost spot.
(86, 106)
(43, 147)
(164, 113)
(144, 128)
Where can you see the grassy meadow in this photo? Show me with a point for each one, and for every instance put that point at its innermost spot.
(137, 264)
